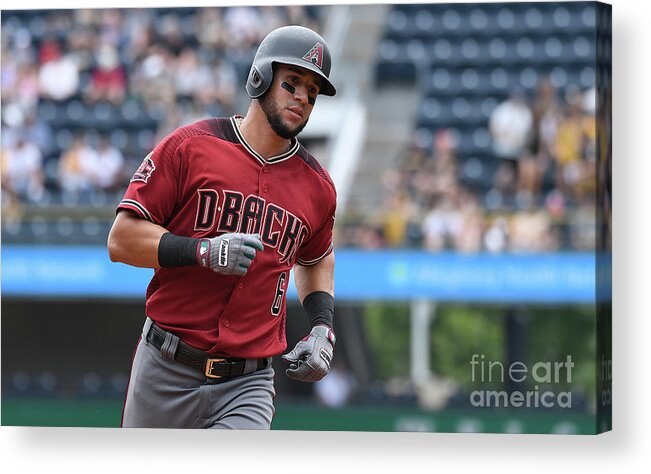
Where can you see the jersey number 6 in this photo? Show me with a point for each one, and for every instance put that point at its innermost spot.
(280, 292)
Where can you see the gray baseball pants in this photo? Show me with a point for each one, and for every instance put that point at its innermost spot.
(164, 393)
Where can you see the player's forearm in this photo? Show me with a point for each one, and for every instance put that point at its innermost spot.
(134, 241)
(318, 277)
(315, 285)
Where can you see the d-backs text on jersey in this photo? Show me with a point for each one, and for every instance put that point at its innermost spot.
(232, 212)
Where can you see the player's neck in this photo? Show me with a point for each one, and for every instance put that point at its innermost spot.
(260, 136)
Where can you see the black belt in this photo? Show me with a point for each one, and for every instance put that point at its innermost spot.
(213, 368)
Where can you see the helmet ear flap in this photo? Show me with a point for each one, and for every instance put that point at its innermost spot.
(259, 80)
(254, 78)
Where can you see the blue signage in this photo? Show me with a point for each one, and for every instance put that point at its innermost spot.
(359, 275)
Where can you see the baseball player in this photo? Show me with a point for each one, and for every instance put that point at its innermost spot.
(222, 210)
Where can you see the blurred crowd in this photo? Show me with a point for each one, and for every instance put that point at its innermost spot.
(177, 65)
(538, 197)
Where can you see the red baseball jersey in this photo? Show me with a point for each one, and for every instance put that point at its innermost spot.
(204, 180)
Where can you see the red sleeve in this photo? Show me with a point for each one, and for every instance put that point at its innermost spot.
(320, 244)
(154, 188)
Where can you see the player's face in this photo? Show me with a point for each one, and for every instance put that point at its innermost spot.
(290, 100)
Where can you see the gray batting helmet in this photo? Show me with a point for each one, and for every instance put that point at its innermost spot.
(294, 45)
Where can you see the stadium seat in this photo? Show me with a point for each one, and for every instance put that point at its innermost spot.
(583, 49)
(75, 113)
(588, 17)
(561, 18)
(497, 49)
(65, 227)
(119, 138)
(91, 226)
(478, 19)
(63, 138)
(587, 77)
(528, 78)
(397, 23)
(506, 20)
(441, 50)
(425, 22)
(415, 51)
(47, 111)
(451, 21)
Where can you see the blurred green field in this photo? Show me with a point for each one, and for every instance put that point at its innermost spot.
(106, 413)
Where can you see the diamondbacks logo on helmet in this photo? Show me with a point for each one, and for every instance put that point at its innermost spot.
(315, 55)
(145, 170)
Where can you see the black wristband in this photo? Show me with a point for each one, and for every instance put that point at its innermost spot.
(320, 308)
(177, 251)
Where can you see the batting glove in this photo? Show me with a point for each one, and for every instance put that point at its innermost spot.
(229, 254)
(310, 359)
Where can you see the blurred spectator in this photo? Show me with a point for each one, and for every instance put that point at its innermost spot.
(37, 131)
(108, 79)
(505, 181)
(20, 84)
(445, 180)
(140, 35)
(111, 29)
(194, 113)
(191, 76)
(75, 170)
(244, 27)
(302, 15)
(170, 35)
(531, 231)
(546, 116)
(107, 168)
(58, 76)
(468, 238)
(153, 77)
(441, 225)
(396, 215)
(575, 131)
(368, 236)
(510, 126)
(529, 178)
(496, 235)
(454, 222)
(210, 30)
(19, 122)
(170, 122)
(226, 83)
(22, 171)
(80, 43)
(583, 231)
(273, 18)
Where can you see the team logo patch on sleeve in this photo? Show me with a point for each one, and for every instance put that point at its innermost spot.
(315, 55)
(145, 170)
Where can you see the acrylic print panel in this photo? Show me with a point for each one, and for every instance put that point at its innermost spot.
(470, 148)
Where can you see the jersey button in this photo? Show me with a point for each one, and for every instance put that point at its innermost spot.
(266, 188)
(241, 286)
(227, 323)
(265, 169)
